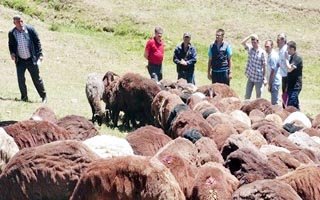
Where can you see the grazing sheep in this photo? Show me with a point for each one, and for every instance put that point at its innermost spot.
(261, 104)
(79, 127)
(147, 140)
(8, 148)
(204, 107)
(266, 189)
(190, 120)
(256, 115)
(283, 162)
(179, 108)
(255, 137)
(305, 181)
(134, 96)
(183, 172)
(231, 103)
(94, 92)
(218, 89)
(220, 134)
(241, 116)
(108, 146)
(213, 181)
(131, 177)
(32, 133)
(276, 119)
(44, 113)
(50, 171)
(207, 151)
(248, 165)
(156, 105)
(195, 98)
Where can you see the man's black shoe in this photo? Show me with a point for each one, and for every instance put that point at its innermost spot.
(44, 99)
(24, 99)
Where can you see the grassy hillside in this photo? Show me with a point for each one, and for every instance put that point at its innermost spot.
(86, 36)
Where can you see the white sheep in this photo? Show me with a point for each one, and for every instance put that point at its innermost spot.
(8, 148)
(107, 146)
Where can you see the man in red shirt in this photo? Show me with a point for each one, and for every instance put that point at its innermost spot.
(154, 53)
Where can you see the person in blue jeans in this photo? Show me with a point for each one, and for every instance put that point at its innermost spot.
(219, 62)
(273, 72)
(185, 57)
(294, 65)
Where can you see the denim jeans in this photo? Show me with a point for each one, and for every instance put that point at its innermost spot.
(293, 98)
(189, 76)
(275, 94)
(249, 88)
(157, 69)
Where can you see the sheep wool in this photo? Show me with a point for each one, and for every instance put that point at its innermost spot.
(8, 148)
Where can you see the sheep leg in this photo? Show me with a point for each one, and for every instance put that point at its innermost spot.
(115, 117)
(93, 112)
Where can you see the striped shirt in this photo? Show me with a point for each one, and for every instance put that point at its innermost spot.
(23, 41)
(256, 60)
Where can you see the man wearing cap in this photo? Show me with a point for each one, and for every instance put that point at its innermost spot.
(154, 53)
(25, 50)
(185, 57)
(256, 66)
(219, 62)
(282, 45)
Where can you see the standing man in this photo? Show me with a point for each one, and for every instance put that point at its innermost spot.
(185, 57)
(256, 66)
(294, 67)
(273, 74)
(282, 45)
(25, 50)
(219, 63)
(154, 52)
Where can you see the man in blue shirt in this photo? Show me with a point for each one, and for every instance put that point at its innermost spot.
(185, 57)
(219, 63)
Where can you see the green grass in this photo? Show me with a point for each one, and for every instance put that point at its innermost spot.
(80, 37)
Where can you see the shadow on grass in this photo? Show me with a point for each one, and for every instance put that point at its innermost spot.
(16, 99)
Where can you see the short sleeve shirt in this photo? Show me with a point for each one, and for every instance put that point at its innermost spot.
(295, 76)
(155, 51)
(282, 61)
(272, 64)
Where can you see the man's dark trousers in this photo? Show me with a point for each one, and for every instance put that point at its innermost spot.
(22, 65)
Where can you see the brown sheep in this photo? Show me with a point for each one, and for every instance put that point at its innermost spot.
(213, 181)
(207, 151)
(316, 122)
(156, 105)
(218, 89)
(147, 140)
(50, 171)
(110, 82)
(79, 127)
(32, 133)
(44, 113)
(190, 120)
(132, 177)
(266, 189)
(283, 162)
(249, 165)
(305, 181)
(261, 104)
(133, 96)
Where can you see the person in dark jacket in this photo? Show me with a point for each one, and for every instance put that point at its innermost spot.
(185, 57)
(25, 50)
(219, 62)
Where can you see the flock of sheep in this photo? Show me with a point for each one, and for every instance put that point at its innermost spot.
(192, 143)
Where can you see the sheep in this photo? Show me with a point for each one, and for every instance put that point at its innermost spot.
(32, 133)
(156, 105)
(298, 116)
(249, 165)
(316, 122)
(110, 82)
(8, 148)
(130, 177)
(108, 146)
(218, 89)
(94, 93)
(133, 95)
(261, 104)
(213, 181)
(147, 140)
(283, 162)
(207, 151)
(44, 113)
(79, 127)
(305, 181)
(266, 189)
(49, 171)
